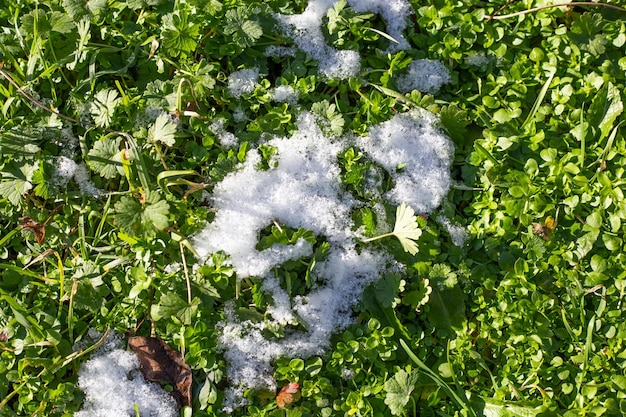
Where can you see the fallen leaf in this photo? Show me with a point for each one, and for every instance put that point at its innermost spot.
(160, 363)
(544, 230)
(288, 395)
(37, 228)
(4, 337)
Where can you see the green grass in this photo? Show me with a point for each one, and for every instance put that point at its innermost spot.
(523, 319)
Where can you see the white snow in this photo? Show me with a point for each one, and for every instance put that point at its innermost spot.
(226, 138)
(285, 94)
(304, 191)
(113, 384)
(415, 140)
(458, 234)
(305, 30)
(425, 75)
(243, 81)
(67, 169)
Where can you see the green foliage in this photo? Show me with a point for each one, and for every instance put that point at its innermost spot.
(524, 318)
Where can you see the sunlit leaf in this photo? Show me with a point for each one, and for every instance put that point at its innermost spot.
(162, 130)
(398, 391)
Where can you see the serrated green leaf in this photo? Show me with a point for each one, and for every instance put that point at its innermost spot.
(162, 130)
(387, 289)
(331, 121)
(15, 181)
(139, 219)
(179, 34)
(244, 31)
(398, 390)
(172, 305)
(105, 157)
(406, 228)
(103, 106)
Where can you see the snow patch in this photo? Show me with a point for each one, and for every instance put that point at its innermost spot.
(67, 169)
(226, 138)
(285, 94)
(243, 81)
(425, 75)
(305, 30)
(304, 190)
(113, 384)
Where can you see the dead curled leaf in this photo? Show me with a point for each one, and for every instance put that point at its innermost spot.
(288, 395)
(38, 229)
(4, 337)
(160, 363)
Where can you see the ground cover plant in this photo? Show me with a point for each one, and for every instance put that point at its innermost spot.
(312, 208)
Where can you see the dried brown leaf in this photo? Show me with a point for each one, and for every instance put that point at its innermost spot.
(160, 363)
(288, 395)
(4, 337)
(37, 228)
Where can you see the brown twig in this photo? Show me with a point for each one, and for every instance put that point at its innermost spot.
(536, 9)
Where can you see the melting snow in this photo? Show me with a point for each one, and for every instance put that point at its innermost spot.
(243, 81)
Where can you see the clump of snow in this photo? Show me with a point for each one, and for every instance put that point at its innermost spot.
(274, 51)
(414, 141)
(395, 13)
(67, 169)
(113, 384)
(305, 30)
(457, 233)
(478, 59)
(304, 190)
(226, 138)
(285, 94)
(243, 81)
(425, 75)
(239, 115)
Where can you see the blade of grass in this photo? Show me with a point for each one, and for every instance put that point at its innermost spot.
(540, 97)
(460, 398)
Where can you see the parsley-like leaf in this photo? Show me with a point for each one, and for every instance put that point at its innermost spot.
(162, 130)
(244, 32)
(103, 107)
(399, 389)
(179, 35)
(105, 158)
(142, 219)
(331, 122)
(406, 229)
(15, 181)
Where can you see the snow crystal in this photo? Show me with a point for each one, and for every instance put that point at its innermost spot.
(243, 81)
(305, 30)
(303, 190)
(457, 233)
(113, 384)
(226, 138)
(67, 169)
(413, 140)
(425, 75)
(285, 94)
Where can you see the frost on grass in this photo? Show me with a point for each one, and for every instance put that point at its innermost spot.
(113, 384)
(425, 75)
(304, 190)
(306, 31)
(243, 81)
